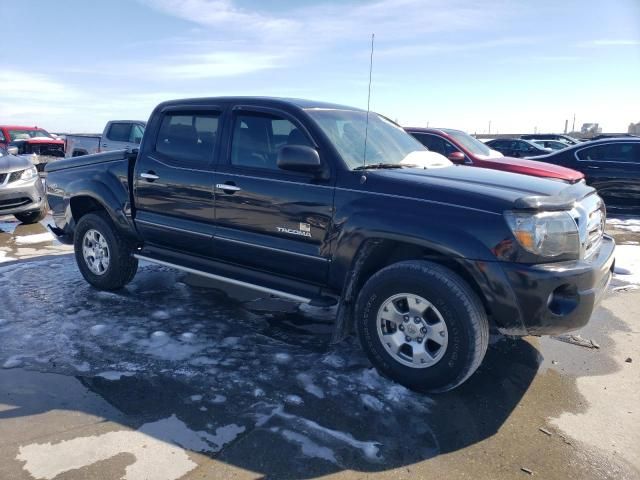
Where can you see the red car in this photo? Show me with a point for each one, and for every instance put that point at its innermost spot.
(462, 148)
(33, 141)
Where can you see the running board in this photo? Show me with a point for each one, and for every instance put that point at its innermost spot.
(228, 280)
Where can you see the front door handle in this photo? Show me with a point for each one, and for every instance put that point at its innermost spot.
(149, 176)
(228, 187)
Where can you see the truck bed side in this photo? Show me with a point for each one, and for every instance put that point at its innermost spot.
(79, 185)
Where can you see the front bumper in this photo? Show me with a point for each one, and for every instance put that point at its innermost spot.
(546, 299)
(21, 196)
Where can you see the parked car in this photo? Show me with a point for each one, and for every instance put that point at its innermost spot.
(117, 135)
(515, 147)
(569, 140)
(21, 192)
(551, 144)
(421, 256)
(35, 143)
(604, 136)
(462, 148)
(612, 166)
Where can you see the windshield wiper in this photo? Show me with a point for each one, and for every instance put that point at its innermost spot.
(379, 166)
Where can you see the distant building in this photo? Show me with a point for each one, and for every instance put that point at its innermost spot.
(590, 128)
(634, 128)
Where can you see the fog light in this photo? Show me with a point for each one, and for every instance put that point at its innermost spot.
(563, 300)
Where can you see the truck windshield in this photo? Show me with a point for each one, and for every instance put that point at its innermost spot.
(27, 134)
(387, 143)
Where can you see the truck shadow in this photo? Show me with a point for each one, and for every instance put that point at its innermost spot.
(301, 408)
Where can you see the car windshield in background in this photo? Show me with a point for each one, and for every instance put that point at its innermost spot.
(474, 145)
(27, 134)
(387, 143)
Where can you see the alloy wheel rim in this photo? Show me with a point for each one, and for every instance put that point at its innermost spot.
(95, 251)
(412, 330)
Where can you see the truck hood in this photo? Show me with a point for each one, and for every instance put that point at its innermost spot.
(533, 167)
(10, 163)
(479, 189)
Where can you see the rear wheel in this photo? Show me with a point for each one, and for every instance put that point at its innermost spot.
(104, 258)
(422, 325)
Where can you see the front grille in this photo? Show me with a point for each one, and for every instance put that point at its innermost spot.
(15, 176)
(590, 216)
(14, 203)
(3, 177)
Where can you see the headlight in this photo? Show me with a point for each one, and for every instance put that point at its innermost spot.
(29, 173)
(548, 234)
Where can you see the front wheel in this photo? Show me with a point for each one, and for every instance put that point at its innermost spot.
(422, 325)
(104, 258)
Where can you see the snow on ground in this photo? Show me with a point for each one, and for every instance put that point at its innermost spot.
(274, 372)
(629, 224)
(627, 269)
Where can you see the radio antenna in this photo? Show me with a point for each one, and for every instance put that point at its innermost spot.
(366, 128)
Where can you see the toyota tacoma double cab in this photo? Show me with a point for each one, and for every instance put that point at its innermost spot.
(332, 205)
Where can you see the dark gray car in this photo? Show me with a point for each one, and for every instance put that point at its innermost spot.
(21, 191)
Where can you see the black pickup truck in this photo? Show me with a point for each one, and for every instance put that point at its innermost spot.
(328, 204)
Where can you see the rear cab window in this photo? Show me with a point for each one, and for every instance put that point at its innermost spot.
(187, 139)
(119, 132)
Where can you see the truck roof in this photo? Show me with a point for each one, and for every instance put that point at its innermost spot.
(265, 101)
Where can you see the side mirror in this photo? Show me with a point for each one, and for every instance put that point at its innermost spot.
(299, 158)
(457, 157)
(12, 150)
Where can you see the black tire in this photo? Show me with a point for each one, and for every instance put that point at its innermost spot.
(35, 216)
(122, 265)
(459, 307)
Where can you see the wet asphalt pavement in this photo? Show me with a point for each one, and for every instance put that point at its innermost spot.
(177, 378)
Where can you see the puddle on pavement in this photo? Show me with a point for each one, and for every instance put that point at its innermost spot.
(19, 241)
(162, 347)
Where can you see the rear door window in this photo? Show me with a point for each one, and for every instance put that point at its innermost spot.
(119, 132)
(188, 138)
(611, 152)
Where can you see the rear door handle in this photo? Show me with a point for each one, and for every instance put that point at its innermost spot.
(149, 176)
(228, 187)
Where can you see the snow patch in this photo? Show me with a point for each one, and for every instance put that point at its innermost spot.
(306, 381)
(195, 398)
(98, 329)
(293, 400)
(627, 270)
(14, 361)
(372, 402)
(282, 358)
(113, 375)
(628, 224)
(160, 315)
(308, 446)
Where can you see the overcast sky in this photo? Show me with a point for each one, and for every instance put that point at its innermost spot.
(71, 65)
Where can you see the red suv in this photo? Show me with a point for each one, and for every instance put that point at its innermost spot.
(462, 148)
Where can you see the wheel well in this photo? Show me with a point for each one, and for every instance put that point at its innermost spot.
(82, 205)
(389, 252)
